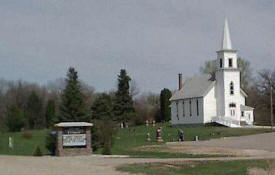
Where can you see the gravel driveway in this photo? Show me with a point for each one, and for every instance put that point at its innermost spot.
(258, 142)
(97, 165)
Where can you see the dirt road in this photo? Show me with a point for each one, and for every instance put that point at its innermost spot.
(97, 165)
(258, 142)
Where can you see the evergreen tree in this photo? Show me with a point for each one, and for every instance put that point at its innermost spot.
(33, 111)
(165, 109)
(123, 106)
(72, 107)
(50, 113)
(102, 107)
(15, 118)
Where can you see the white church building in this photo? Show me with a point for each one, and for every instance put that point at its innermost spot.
(206, 99)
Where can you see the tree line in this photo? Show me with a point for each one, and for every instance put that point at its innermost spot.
(26, 105)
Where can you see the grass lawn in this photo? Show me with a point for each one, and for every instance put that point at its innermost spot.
(127, 139)
(196, 168)
(23, 146)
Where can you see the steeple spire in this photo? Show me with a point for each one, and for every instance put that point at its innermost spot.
(226, 42)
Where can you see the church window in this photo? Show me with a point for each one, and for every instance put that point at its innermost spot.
(190, 107)
(198, 107)
(183, 111)
(242, 113)
(232, 107)
(231, 88)
(230, 62)
(232, 112)
(221, 63)
(177, 106)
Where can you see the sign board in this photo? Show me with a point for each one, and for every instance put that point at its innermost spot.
(74, 140)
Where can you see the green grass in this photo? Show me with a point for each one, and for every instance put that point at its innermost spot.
(23, 146)
(127, 139)
(195, 168)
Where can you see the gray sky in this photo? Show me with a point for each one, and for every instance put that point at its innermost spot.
(153, 40)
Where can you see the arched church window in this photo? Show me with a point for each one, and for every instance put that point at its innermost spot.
(177, 108)
(231, 88)
(232, 107)
(198, 107)
(221, 63)
(190, 107)
(183, 109)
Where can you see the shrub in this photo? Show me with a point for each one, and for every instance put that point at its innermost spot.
(102, 134)
(27, 135)
(95, 139)
(37, 151)
(15, 120)
(138, 119)
(106, 149)
(51, 142)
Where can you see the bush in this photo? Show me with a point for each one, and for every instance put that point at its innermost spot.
(102, 134)
(106, 149)
(15, 120)
(95, 139)
(51, 142)
(27, 135)
(138, 120)
(37, 151)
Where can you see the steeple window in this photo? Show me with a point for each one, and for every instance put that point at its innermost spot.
(231, 88)
(230, 62)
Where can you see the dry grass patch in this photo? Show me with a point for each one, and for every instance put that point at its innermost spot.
(250, 167)
(195, 150)
(270, 170)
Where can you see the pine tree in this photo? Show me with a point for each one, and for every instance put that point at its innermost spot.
(123, 107)
(33, 111)
(50, 113)
(15, 118)
(102, 107)
(72, 107)
(165, 110)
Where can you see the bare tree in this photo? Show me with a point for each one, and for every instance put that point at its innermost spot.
(134, 91)
(265, 82)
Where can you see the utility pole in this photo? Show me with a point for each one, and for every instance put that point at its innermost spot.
(271, 102)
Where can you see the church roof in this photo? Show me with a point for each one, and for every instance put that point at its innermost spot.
(197, 86)
(246, 108)
(226, 42)
(73, 124)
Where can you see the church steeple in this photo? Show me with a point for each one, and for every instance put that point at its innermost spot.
(226, 42)
(227, 57)
(228, 79)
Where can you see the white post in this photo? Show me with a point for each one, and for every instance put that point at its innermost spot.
(10, 143)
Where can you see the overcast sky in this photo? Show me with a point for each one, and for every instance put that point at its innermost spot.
(153, 40)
